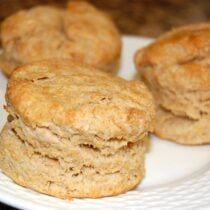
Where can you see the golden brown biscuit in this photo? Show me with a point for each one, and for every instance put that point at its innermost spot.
(79, 131)
(80, 32)
(182, 130)
(176, 68)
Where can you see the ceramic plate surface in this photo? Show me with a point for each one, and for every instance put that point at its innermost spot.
(177, 177)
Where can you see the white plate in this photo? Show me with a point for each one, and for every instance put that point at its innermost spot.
(177, 177)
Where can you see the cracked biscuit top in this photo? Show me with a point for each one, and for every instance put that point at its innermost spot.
(79, 97)
(80, 32)
(179, 59)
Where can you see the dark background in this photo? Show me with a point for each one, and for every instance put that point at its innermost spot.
(135, 17)
(4, 207)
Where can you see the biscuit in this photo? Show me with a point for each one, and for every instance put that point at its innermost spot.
(181, 129)
(79, 131)
(176, 69)
(80, 32)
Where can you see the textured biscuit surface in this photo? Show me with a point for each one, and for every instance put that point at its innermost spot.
(79, 131)
(176, 68)
(80, 32)
(82, 172)
(181, 129)
(80, 97)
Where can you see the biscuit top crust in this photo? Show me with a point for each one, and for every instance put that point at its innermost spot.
(181, 58)
(80, 32)
(81, 98)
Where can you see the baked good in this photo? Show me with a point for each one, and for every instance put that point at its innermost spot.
(181, 129)
(80, 32)
(79, 131)
(176, 68)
